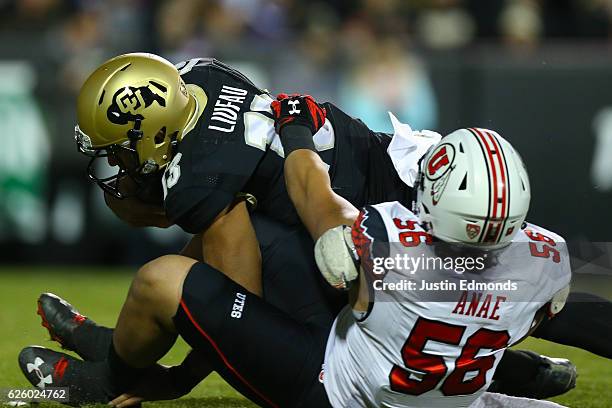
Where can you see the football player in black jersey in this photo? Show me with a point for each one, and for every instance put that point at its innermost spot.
(202, 139)
(199, 138)
(210, 130)
(215, 144)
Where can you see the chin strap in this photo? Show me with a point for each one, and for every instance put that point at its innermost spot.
(135, 134)
(173, 144)
(418, 183)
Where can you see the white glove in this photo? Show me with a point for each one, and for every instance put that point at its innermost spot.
(336, 257)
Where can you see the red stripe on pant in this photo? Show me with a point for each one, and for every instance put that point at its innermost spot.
(223, 358)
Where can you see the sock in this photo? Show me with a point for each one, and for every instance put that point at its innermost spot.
(123, 375)
(89, 382)
(517, 367)
(92, 341)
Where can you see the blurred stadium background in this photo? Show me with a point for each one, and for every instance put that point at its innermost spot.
(538, 71)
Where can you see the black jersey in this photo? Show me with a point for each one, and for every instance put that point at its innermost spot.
(234, 149)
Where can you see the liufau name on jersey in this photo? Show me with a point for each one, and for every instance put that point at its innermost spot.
(233, 148)
(203, 133)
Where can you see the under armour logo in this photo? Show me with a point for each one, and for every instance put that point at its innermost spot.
(36, 368)
(293, 104)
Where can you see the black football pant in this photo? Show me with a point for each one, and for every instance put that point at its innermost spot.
(271, 350)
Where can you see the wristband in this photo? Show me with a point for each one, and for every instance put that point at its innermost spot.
(295, 137)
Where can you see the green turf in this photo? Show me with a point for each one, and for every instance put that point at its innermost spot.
(99, 293)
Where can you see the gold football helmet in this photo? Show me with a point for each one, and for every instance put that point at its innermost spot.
(133, 110)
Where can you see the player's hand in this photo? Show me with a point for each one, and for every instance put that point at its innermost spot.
(135, 211)
(157, 385)
(297, 109)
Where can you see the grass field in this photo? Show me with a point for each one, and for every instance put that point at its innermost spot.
(99, 294)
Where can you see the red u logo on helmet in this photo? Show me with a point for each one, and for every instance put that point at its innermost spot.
(439, 159)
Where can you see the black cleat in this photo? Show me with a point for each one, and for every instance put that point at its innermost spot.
(555, 376)
(46, 368)
(60, 319)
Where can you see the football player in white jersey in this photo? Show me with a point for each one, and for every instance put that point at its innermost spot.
(430, 336)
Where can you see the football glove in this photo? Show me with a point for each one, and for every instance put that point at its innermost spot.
(297, 109)
(337, 257)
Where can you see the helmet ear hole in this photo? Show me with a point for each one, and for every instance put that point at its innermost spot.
(160, 136)
(463, 185)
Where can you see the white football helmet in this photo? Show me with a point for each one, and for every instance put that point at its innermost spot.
(473, 188)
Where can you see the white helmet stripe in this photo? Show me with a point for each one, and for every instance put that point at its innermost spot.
(498, 209)
(504, 195)
(507, 188)
(482, 148)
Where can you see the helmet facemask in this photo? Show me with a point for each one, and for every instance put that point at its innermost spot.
(124, 156)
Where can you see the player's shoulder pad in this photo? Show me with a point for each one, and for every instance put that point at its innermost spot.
(535, 240)
(395, 215)
(367, 228)
(207, 70)
(346, 126)
(524, 234)
(549, 250)
(192, 199)
(372, 220)
(378, 224)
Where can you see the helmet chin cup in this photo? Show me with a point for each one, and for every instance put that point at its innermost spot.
(121, 155)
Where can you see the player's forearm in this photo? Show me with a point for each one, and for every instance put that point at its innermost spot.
(310, 191)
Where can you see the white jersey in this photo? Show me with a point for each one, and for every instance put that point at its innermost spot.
(430, 347)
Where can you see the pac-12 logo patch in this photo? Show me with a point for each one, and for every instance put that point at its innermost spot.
(472, 230)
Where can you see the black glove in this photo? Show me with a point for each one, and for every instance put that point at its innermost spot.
(297, 109)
